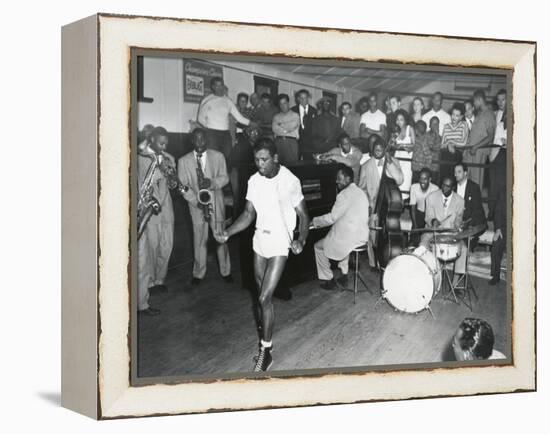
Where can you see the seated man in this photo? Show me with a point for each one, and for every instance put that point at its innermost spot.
(474, 214)
(419, 192)
(346, 154)
(444, 209)
(474, 340)
(349, 218)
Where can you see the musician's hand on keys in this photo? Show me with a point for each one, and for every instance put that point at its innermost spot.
(436, 223)
(207, 183)
(472, 151)
(296, 246)
(221, 236)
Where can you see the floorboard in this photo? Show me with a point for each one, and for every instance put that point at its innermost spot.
(210, 329)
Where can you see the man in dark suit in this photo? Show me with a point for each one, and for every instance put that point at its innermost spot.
(325, 128)
(474, 214)
(307, 113)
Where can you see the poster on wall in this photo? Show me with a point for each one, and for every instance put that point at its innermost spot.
(196, 79)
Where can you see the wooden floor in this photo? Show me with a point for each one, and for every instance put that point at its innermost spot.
(210, 329)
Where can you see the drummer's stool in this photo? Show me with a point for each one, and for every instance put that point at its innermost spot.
(357, 276)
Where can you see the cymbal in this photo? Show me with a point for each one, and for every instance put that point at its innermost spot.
(470, 232)
(437, 230)
(444, 239)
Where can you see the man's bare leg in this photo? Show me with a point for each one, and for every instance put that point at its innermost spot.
(260, 267)
(272, 273)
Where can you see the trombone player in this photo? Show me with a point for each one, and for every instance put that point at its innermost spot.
(156, 240)
(205, 173)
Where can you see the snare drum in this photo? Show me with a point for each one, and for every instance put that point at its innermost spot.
(411, 280)
(446, 248)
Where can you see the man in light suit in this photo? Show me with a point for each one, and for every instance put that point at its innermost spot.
(155, 244)
(369, 181)
(212, 164)
(349, 218)
(445, 209)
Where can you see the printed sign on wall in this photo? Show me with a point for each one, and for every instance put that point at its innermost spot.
(196, 79)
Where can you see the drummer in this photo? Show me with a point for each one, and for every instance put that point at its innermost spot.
(444, 210)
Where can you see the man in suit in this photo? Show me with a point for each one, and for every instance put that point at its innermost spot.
(325, 128)
(212, 165)
(349, 121)
(474, 214)
(307, 114)
(445, 209)
(156, 241)
(349, 218)
(369, 182)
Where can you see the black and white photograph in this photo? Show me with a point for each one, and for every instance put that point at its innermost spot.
(296, 216)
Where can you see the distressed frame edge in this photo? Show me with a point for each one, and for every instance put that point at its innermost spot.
(79, 137)
(530, 383)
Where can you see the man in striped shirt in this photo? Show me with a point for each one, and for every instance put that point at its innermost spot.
(455, 137)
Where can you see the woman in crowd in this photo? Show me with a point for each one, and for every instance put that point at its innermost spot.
(433, 139)
(403, 141)
(474, 340)
(455, 136)
(417, 109)
(422, 154)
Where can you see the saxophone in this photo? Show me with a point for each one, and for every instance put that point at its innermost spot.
(147, 203)
(204, 196)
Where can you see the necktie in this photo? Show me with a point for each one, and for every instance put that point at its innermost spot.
(343, 121)
(199, 162)
(380, 162)
(445, 202)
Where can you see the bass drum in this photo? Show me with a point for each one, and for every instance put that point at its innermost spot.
(411, 280)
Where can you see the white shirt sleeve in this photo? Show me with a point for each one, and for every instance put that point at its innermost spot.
(251, 192)
(295, 192)
(412, 198)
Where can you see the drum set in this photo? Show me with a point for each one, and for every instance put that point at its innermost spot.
(413, 279)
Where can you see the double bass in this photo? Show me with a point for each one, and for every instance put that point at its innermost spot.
(389, 240)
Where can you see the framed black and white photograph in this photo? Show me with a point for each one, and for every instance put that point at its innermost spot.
(283, 221)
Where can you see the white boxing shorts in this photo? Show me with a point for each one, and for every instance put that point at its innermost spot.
(268, 244)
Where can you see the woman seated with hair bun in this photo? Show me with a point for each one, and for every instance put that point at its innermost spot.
(474, 340)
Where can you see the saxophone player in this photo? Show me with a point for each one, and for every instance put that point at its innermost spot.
(155, 244)
(205, 169)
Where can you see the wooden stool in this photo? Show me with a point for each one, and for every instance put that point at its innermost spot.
(356, 274)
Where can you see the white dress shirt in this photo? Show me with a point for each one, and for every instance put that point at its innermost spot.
(303, 112)
(442, 115)
(461, 189)
(202, 159)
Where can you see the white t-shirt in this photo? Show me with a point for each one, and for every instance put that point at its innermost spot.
(373, 120)
(418, 196)
(274, 198)
(442, 115)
